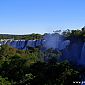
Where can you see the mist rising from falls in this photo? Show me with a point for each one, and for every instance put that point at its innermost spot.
(55, 41)
(72, 50)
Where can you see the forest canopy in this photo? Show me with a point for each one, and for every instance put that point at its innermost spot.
(28, 67)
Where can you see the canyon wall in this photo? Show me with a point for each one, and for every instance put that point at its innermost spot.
(72, 50)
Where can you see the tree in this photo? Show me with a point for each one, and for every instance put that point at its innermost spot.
(4, 81)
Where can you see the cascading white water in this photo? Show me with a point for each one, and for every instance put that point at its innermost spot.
(74, 53)
(52, 41)
(64, 44)
(56, 41)
(82, 58)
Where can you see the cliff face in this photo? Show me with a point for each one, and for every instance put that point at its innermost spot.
(72, 50)
(54, 41)
(23, 44)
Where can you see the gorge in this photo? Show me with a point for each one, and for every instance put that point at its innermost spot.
(72, 50)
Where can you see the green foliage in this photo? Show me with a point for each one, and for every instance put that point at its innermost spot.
(27, 79)
(23, 37)
(28, 67)
(53, 74)
(52, 55)
(6, 51)
(4, 81)
(76, 34)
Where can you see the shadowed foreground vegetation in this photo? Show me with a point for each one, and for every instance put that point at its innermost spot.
(27, 67)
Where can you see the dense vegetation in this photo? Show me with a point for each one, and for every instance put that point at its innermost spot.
(76, 34)
(28, 67)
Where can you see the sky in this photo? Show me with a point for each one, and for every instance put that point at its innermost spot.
(40, 16)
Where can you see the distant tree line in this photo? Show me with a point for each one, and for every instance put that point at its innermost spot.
(21, 37)
(69, 34)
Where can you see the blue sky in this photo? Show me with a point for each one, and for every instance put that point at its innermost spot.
(40, 16)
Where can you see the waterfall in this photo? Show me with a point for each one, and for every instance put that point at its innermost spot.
(82, 58)
(64, 44)
(72, 50)
(53, 41)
